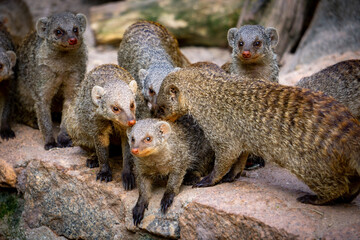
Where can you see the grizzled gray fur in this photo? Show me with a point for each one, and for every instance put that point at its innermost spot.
(52, 61)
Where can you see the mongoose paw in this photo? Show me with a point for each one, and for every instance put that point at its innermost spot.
(92, 163)
(166, 201)
(104, 176)
(50, 145)
(308, 199)
(138, 213)
(7, 134)
(205, 182)
(190, 179)
(64, 140)
(128, 180)
(229, 177)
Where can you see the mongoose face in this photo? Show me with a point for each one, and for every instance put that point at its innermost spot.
(62, 31)
(251, 43)
(148, 136)
(7, 62)
(116, 102)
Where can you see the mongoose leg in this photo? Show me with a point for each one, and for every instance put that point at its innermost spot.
(236, 169)
(43, 115)
(191, 178)
(102, 152)
(92, 161)
(172, 189)
(143, 200)
(127, 175)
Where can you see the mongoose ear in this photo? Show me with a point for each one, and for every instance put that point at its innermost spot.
(12, 57)
(273, 35)
(142, 75)
(164, 129)
(231, 36)
(83, 21)
(96, 94)
(41, 27)
(133, 86)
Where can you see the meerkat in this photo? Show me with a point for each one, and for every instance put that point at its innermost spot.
(164, 150)
(253, 52)
(7, 82)
(312, 135)
(149, 52)
(104, 106)
(52, 61)
(340, 81)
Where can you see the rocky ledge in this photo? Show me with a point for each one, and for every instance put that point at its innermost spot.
(62, 197)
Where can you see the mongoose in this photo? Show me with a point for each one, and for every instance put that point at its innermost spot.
(7, 82)
(163, 150)
(52, 61)
(104, 106)
(149, 52)
(312, 135)
(341, 81)
(252, 52)
(16, 16)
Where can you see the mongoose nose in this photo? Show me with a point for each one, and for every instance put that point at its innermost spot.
(135, 151)
(72, 41)
(246, 54)
(131, 123)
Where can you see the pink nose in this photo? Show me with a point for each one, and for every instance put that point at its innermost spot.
(246, 54)
(131, 123)
(135, 151)
(72, 41)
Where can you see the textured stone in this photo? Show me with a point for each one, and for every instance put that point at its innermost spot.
(7, 175)
(42, 233)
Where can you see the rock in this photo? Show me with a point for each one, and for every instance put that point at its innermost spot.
(7, 175)
(61, 194)
(42, 233)
(199, 22)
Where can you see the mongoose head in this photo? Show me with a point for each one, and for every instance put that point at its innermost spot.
(251, 43)
(148, 136)
(151, 81)
(7, 62)
(62, 31)
(116, 102)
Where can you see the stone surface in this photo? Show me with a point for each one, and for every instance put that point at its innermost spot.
(7, 175)
(61, 193)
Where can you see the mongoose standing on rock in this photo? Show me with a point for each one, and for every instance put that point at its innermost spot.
(252, 52)
(163, 150)
(104, 106)
(308, 133)
(52, 61)
(7, 82)
(341, 81)
(149, 52)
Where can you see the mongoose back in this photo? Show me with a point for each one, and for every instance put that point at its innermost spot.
(308, 133)
(104, 106)
(341, 81)
(162, 150)
(252, 52)
(7, 82)
(52, 60)
(16, 16)
(149, 52)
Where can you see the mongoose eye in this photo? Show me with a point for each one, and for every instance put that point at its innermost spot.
(148, 139)
(75, 29)
(241, 43)
(132, 105)
(115, 109)
(151, 92)
(132, 139)
(58, 32)
(257, 44)
(1, 66)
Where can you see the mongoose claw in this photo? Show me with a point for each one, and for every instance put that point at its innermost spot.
(138, 213)
(104, 176)
(64, 140)
(92, 163)
(7, 134)
(50, 145)
(166, 201)
(205, 182)
(128, 181)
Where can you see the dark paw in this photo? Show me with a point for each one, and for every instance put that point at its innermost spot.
(205, 182)
(190, 179)
(7, 134)
(50, 145)
(104, 176)
(92, 163)
(229, 177)
(166, 201)
(128, 181)
(308, 199)
(64, 141)
(138, 213)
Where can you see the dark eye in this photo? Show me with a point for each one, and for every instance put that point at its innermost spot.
(75, 29)
(151, 92)
(115, 109)
(148, 139)
(58, 32)
(132, 105)
(241, 43)
(132, 139)
(257, 44)
(1, 66)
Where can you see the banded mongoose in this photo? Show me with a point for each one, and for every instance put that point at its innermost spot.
(308, 133)
(163, 150)
(52, 61)
(104, 106)
(7, 82)
(253, 52)
(149, 52)
(341, 81)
